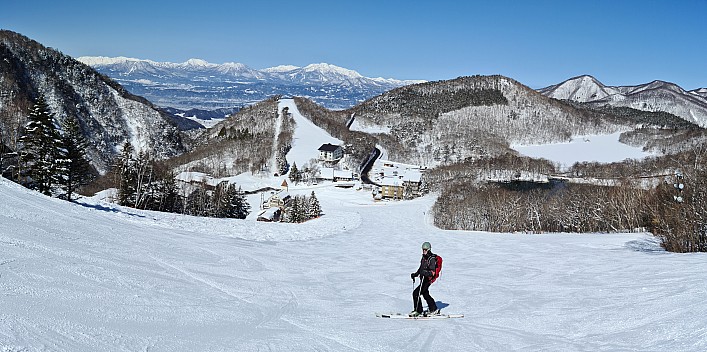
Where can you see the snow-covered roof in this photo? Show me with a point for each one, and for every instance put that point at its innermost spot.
(281, 194)
(391, 181)
(269, 213)
(329, 147)
(328, 173)
(412, 176)
(394, 173)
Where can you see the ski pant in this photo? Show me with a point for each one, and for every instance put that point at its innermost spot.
(423, 290)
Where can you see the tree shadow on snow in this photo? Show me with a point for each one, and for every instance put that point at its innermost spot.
(104, 208)
(649, 245)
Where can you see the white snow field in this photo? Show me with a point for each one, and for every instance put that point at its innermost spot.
(307, 138)
(99, 277)
(600, 148)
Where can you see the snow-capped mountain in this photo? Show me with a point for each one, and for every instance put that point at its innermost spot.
(653, 96)
(582, 89)
(200, 84)
(700, 92)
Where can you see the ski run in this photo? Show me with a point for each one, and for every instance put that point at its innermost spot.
(95, 276)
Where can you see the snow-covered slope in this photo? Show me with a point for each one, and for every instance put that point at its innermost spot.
(94, 276)
(582, 89)
(307, 137)
(200, 84)
(653, 96)
(591, 148)
(702, 92)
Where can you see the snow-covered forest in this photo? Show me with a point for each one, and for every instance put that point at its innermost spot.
(245, 142)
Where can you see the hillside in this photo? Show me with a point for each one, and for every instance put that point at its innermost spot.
(469, 117)
(244, 142)
(109, 115)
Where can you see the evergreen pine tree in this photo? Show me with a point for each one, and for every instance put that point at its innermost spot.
(41, 142)
(168, 199)
(295, 175)
(314, 210)
(221, 202)
(239, 205)
(76, 169)
(407, 192)
(302, 214)
(198, 203)
(294, 211)
(128, 176)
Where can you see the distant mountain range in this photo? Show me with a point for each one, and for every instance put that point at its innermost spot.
(197, 84)
(653, 96)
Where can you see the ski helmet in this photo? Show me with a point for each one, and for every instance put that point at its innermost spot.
(427, 246)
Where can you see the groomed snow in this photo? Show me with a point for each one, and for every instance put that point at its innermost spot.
(95, 276)
(307, 138)
(99, 277)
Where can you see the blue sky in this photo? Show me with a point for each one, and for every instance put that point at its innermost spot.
(538, 43)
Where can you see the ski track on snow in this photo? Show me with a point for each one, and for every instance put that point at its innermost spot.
(98, 277)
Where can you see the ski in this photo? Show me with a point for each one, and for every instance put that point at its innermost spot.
(419, 317)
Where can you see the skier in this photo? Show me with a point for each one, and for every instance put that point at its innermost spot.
(426, 272)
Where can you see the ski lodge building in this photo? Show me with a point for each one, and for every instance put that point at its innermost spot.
(397, 180)
(330, 152)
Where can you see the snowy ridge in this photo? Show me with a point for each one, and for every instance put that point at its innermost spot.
(325, 68)
(281, 68)
(197, 83)
(653, 96)
(104, 60)
(324, 71)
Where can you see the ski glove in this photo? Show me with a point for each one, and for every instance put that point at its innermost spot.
(413, 276)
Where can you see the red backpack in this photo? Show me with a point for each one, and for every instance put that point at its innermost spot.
(438, 269)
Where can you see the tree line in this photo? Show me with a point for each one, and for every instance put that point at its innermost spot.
(51, 159)
(543, 208)
(672, 203)
(144, 183)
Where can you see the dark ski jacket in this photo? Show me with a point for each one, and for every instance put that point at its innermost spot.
(428, 265)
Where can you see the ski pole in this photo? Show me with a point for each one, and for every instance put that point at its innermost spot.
(419, 292)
